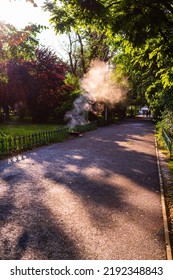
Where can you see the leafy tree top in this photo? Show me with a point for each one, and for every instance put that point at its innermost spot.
(137, 20)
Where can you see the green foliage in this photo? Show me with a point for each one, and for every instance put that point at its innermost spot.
(149, 71)
(141, 34)
(119, 75)
(72, 80)
(11, 130)
(160, 141)
(85, 42)
(67, 97)
(136, 35)
(137, 20)
(167, 122)
(65, 105)
(16, 43)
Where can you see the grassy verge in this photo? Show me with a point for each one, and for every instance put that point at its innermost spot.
(15, 139)
(167, 175)
(168, 188)
(12, 130)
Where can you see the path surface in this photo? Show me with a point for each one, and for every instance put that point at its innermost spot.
(91, 197)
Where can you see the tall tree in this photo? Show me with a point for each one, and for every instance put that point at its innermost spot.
(85, 43)
(147, 28)
(45, 77)
(138, 20)
(16, 43)
(15, 46)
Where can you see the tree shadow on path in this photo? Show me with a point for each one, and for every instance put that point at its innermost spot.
(80, 190)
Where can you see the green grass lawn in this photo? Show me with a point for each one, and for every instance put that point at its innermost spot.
(19, 130)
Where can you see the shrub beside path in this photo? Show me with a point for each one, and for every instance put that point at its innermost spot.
(91, 197)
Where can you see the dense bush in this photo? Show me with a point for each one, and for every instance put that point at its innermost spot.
(167, 122)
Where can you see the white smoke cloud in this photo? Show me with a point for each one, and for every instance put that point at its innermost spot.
(99, 85)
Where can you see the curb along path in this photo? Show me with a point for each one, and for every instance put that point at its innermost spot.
(164, 212)
(92, 197)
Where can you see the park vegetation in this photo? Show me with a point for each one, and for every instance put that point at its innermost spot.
(133, 36)
(136, 38)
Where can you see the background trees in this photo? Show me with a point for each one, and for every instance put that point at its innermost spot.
(85, 43)
(44, 93)
(32, 80)
(141, 33)
(134, 36)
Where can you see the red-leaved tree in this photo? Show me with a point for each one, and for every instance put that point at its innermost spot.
(37, 85)
(45, 92)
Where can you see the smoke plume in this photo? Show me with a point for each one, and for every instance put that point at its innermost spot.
(99, 84)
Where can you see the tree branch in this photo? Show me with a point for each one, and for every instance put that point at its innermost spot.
(114, 3)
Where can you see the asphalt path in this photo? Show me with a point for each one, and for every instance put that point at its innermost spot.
(90, 197)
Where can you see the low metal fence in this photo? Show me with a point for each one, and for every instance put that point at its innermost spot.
(11, 145)
(168, 142)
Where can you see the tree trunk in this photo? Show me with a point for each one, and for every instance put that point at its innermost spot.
(82, 53)
(72, 65)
